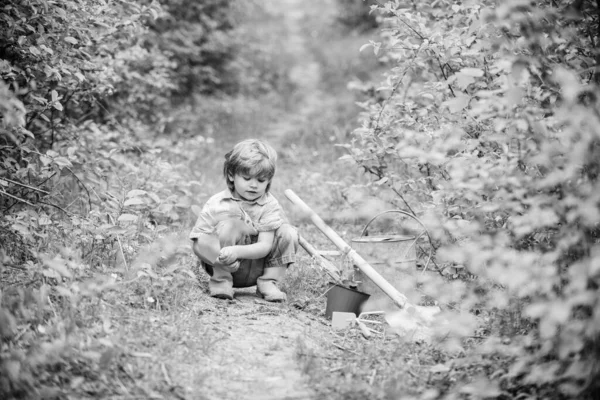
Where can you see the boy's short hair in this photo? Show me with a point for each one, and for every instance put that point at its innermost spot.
(250, 157)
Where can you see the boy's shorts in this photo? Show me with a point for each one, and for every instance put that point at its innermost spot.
(283, 253)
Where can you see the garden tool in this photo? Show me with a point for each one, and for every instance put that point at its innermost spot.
(416, 314)
(341, 320)
(329, 268)
(398, 298)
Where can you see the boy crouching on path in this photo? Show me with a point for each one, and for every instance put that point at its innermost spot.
(241, 236)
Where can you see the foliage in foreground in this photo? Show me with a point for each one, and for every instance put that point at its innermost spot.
(84, 183)
(490, 133)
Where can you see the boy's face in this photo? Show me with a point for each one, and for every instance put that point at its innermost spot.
(248, 187)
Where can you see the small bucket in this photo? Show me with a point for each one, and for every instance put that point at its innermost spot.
(343, 299)
(396, 250)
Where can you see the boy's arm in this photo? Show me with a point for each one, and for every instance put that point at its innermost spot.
(207, 247)
(253, 251)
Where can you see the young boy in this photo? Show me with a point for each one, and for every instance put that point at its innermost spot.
(241, 235)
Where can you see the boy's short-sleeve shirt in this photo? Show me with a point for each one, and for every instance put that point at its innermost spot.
(264, 214)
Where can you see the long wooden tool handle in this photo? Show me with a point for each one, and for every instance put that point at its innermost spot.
(398, 298)
(329, 267)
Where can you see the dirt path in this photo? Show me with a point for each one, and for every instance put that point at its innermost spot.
(306, 73)
(209, 349)
(246, 348)
(243, 349)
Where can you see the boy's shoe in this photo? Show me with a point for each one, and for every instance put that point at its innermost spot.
(266, 285)
(221, 284)
(221, 292)
(270, 292)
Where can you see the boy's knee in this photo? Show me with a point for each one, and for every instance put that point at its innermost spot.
(287, 233)
(206, 247)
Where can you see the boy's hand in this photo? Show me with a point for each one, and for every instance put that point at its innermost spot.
(227, 255)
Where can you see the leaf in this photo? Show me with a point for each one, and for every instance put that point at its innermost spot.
(151, 273)
(172, 269)
(91, 355)
(77, 381)
(127, 218)
(45, 221)
(70, 39)
(154, 197)
(474, 72)
(457, 104)
(439, 368)
(117, 230)
(64, 291)
(57, 106)
(135, 193)
(58, 266)
(62, 162)
(39, 99)
(463, 81)
(27, 133)
(50, 273)
(54, 95)
(45, 160)
(8, 325)
(133, 202)
(35, 51)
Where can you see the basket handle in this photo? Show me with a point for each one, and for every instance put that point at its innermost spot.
(364, 231)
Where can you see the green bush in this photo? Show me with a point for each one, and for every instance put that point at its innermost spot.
(488, 129)
(78, 86)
